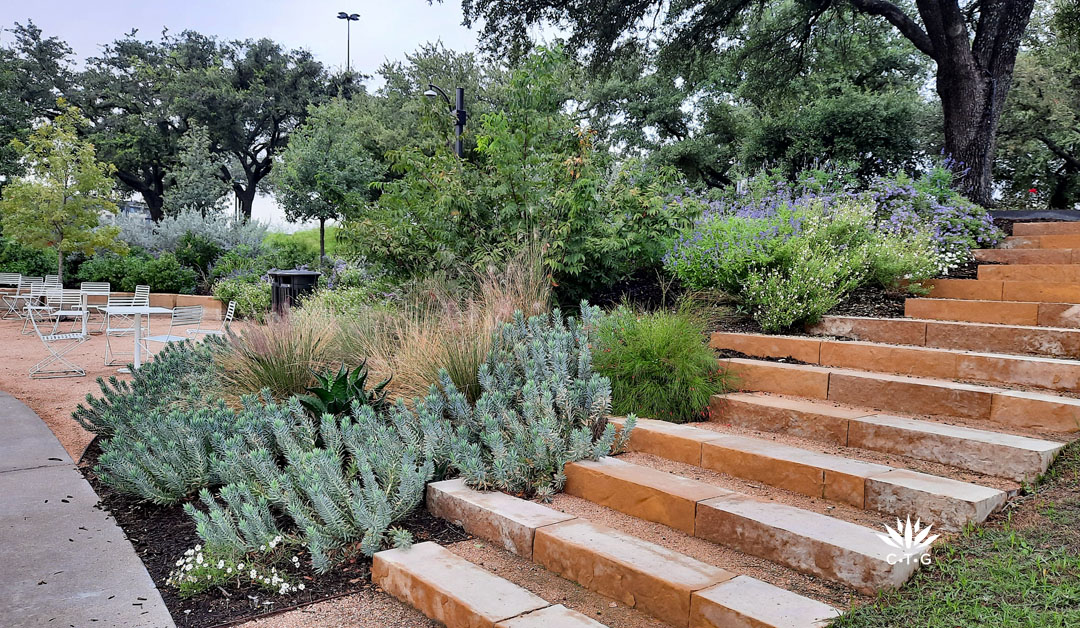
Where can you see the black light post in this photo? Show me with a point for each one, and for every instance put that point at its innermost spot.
(457, 108)
(349, 19)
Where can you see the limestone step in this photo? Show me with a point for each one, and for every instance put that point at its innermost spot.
(1045, 228)
(1063, 315)
(671, 586)
(1048, 241)
(1053, 273)
(995, 290)
(1028, 256)
(997, 368)
(993, 453)
(946, 502)
(910, 395)
(457, 593)
(1016, 339)
(806, 541)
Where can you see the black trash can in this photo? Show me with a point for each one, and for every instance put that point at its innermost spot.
(286, 286)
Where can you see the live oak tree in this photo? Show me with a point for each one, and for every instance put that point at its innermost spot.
(196, 183)
(251, 101)
(65, 191)
(973, 44)
(1040, 130)
(125, 94)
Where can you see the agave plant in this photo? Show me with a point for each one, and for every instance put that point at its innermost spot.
(335, 393)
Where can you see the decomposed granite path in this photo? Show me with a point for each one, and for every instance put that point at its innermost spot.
(63, 562)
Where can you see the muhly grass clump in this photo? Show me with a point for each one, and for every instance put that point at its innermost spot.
(659, 364)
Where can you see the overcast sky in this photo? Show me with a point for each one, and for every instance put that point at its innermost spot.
(387, 30)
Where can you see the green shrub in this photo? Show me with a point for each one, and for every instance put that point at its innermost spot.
(804, 289)
(279, 357)
(252, 296)
(181, 374)
(197, 252)
(541, 407)
(202, 569)
(339, 301)
(659, 365)
(33, 262)
(341, 480)
(163, 274)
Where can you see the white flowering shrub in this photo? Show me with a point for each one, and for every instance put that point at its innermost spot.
(202, 568)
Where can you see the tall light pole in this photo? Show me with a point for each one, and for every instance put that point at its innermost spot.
(457, 108)
(349, 19)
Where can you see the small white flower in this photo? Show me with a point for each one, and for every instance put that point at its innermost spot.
(189, 552)
(262, 548)
(229, 570)
(220, 564)
(253, 574)
(300, 586)
(187, 567)
(198, 547)
(240, 566)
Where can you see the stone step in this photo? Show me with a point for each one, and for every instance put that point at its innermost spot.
(671, 586)
(1053, 273)
(998, 368)
(457, 593)
(994, 290)
(806, 541)
(1049, 241)
(993, 453)
(1027, 256)
(910, 395)
(1016, 339)
(946, 502)
(1063, 315)
(1045, 228)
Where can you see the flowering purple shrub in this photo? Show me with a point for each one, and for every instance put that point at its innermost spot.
(792, 251)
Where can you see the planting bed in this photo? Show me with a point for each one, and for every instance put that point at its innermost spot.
(161, 535)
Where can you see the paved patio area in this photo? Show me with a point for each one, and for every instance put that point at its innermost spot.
(65, 562)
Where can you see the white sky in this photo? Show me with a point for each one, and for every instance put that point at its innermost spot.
(386, 30)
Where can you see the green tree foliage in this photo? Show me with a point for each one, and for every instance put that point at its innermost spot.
(266, 91)
(327, 172)
(196, 178)
(125, 93)
(65, 190)
(537, 179)
(33, 70)
(1040, 136)
(973, 46)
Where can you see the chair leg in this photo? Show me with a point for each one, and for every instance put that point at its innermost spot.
(41, 370)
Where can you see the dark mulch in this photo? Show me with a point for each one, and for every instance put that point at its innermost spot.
(647, 289)
(728, 353)
(161, 535)
(872, 301)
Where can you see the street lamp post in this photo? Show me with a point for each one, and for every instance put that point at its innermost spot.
(349, 19)
(457, 108)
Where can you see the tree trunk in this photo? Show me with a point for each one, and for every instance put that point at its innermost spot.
(322, 239)
(974, 72)
(60, 266)
(246, 197)
(971, 105)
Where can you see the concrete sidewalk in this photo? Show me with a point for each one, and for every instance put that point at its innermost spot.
(63, 562)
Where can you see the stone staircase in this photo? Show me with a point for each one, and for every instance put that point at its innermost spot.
(770, 513)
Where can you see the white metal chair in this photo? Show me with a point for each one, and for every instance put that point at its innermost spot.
(35, 305)
(140, 298)
(10, 280)
(183, 316)
(15, 302)
(52, 281)
(97, 290)
(220, 331)
(58, 346)
(65, 304)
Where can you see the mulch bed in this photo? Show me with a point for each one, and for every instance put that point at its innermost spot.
(161, 535)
